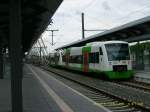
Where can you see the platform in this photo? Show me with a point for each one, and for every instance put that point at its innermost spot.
(142, 75)
(43, 93)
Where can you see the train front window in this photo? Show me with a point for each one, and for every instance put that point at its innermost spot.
(117, 51)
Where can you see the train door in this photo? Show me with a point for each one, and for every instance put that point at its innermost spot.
(67, 56)
(101, 60)
(67, 60)
(85, 63)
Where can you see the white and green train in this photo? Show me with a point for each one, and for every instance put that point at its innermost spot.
(110, 59)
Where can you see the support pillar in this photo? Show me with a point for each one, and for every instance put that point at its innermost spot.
(139, 58)
(1, 63)
(83, 35)
(149, 58)
(15, 50)
(40, 56)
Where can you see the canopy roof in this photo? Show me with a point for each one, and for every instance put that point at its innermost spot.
(138, 30)
(36, 16)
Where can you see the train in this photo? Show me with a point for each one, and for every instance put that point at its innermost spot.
(108, 59)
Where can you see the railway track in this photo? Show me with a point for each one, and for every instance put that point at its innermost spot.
(136, 84)
(107, 101)
(112, 102)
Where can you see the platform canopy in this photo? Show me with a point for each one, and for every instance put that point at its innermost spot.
(36, 16)
(138, 30)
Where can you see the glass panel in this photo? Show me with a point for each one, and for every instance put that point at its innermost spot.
(100, 51)
(94, 57)
(117, 51)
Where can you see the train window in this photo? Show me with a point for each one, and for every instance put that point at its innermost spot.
(64, 58)
(117, 51)
(100, 51)
(94, 57)
(91, 57)
(80, 59)
(76, 59)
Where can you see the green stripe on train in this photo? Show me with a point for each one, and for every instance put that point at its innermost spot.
(68, 50)
(76, 68)
(119, 75)
(114, 75)
(86, 49)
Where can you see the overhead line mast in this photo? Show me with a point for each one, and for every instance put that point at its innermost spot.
(52, 35)
(83, 27)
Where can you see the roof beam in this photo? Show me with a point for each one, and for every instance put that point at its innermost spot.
(138, 38)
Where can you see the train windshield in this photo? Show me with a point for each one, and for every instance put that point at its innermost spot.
(117, 51)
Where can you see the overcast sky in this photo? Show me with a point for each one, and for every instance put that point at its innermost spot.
(99, 14)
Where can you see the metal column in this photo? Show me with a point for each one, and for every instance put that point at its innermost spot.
(149, 58)
(15, 50)
(1, 63)
(40, 55)
(83, 35)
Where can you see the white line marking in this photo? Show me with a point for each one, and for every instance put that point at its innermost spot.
(63, 106)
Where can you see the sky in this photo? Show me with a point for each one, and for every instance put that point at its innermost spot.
(98, 14)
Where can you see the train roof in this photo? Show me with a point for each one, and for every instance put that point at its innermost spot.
(104, 42)
(97, 43)
(75, 47)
